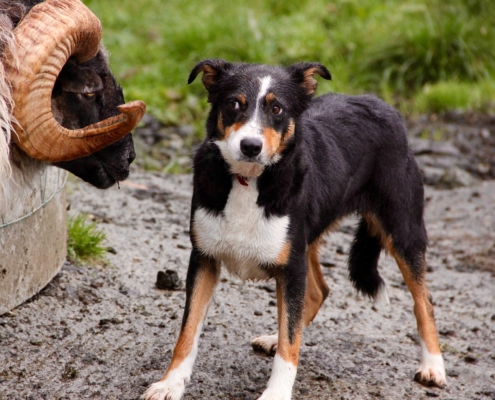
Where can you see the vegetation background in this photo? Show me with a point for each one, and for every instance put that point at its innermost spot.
(420, 55)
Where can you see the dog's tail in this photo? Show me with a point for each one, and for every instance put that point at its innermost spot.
(363, 263)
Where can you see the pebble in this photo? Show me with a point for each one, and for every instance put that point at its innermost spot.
(471, 359)
(168, 280)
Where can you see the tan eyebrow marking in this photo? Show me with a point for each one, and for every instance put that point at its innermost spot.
(270, 97)
(242, 99)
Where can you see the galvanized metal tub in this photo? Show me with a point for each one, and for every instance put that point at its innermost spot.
(33, 231)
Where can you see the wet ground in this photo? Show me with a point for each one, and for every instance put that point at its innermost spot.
(108, 332)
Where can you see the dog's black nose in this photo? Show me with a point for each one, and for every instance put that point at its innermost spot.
(251, 147)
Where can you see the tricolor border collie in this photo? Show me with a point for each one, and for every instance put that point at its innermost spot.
(277, 170)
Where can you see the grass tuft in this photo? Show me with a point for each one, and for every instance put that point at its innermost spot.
(84, 243)
(461, 96)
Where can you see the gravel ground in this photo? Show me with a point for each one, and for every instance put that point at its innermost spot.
(108, 332)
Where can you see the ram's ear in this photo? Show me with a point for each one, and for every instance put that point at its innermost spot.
(303, 74)
(212, 70)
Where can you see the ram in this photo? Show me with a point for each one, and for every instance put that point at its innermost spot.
(59, 106)
(59, 101)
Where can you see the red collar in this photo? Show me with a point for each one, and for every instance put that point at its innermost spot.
(242, 180)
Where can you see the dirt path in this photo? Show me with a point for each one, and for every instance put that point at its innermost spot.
(106, 333)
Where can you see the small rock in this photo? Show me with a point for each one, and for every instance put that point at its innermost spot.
(452, 373)
(258, 313)
(168, 280)
(456, 177)
(471, 358)
(432, 175)
(108, 321)
(447, 332)
(69, 373)
(414, 337)
(96, 284)
(430, 393)
(111, 250)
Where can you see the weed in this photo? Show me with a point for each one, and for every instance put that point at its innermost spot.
(84, 243)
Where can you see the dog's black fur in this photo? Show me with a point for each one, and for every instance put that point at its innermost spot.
(337, 155)
(349, 154)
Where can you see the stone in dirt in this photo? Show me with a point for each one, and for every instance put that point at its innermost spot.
(168, 280)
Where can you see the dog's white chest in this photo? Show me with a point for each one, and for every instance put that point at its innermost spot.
(241, 236)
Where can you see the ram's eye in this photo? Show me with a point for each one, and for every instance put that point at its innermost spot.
(276, 110)
(234, 105)
(89, 95)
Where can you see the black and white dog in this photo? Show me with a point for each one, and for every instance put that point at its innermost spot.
(276, 172)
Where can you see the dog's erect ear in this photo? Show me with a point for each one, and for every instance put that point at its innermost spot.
(304, 73)
(212, 69)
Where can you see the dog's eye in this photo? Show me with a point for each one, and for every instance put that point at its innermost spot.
(234, 105)
(276, 110)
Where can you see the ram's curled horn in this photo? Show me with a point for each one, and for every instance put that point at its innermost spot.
(48, 35)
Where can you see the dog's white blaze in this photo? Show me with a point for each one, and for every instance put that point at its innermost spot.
(432, 366)
(281, 381)
(252, 129)
(172, 388)
(241, 236)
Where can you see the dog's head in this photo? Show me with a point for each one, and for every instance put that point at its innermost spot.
(255, 109)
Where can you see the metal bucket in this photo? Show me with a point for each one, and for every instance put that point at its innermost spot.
(33, 231)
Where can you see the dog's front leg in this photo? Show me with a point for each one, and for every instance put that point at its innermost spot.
(202, 278)
(290, 301)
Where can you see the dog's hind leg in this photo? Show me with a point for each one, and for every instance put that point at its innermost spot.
(202, 278)
(432, 370)
(409, 253)
(316, 288)
(316, 292)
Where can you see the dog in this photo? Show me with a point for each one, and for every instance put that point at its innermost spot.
(277, 171)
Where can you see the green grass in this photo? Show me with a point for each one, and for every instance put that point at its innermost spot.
(444, 96)
(391, 47)
(84, 242)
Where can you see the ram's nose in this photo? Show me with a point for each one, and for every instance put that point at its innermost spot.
(251, 147)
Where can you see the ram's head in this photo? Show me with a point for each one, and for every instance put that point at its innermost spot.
(68, 109)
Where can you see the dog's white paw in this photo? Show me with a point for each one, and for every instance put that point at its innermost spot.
(269, 394)
(432, 370)
(266, 344)
(431, 376)
(165, 390)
